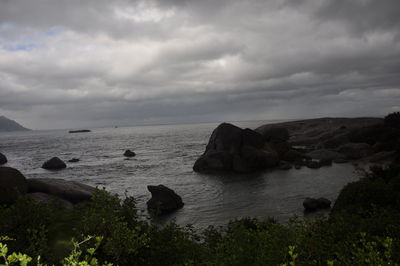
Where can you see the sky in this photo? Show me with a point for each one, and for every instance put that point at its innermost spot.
(92, 63)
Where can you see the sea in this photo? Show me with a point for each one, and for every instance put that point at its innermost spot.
(165, 154)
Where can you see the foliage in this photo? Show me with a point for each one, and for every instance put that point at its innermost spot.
(363, 229)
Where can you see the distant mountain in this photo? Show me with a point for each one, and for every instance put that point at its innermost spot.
(10, 125)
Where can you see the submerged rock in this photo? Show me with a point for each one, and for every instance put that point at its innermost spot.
(164, 200)
(3, 159)
(74, 160)
(54, 163)
(129, 153)
(311, 204)
(71, 191)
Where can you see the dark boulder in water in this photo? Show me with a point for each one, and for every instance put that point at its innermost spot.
(80, 131)
(231, 148)
(311, 204)
(3, 159)
(164, 200)
(12, 184)
(129, 153)
(74, 160)
(54, 163)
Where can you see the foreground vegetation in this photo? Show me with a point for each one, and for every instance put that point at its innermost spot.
(363, 229)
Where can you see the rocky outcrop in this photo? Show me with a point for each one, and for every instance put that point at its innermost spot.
(54, 163)
(129, 153)
(231, 148)
(324, 154)
(311, 204)
(71, 191)
(3, 159)
(353, 151)
(12, 184)
(164, 200)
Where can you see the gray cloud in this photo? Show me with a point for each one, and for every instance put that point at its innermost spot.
(97, 62)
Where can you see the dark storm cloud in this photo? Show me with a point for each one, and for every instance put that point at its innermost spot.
(71, 63)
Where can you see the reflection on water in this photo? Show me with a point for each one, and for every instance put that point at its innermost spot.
(165, 155)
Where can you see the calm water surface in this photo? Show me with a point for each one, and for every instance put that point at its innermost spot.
(165, 155)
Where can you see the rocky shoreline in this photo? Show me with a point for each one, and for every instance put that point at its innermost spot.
(313, 143)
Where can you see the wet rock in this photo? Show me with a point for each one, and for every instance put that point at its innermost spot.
(214, 161)
(293, 155)
(129, 153)
(252, 139)
(71, 191)
(54, 163)
(313, 164)
(164, 200)
(3, 159)
(324, 154)
(340, 160)
(251, 159)
(74, 160)
(12, 184)
(274, 134)
(325, 162)
(311, 204)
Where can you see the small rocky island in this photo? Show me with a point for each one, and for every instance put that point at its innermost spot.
(312, 143)
(80, 131)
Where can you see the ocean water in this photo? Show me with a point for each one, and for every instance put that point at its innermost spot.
(165, 155)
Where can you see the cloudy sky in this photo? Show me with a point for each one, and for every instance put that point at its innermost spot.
(86, 63)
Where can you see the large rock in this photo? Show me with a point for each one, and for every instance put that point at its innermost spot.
(3, 159)
(164, 200)
(232, 148)
(69, 190)
(54, 163)
(311, 204)
(354, 151)
(12, 184)
(129, 153)
(44, 198)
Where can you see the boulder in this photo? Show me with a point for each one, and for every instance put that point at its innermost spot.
(44, 198)
(3, 159)
(324, 154)
(335, 141)
(354, 151)
(129, 153)
(274, 134)
(294, 156)
(54, 163)
(164, 200)
(71, 191)
(311, 204)
(74, 160)
(12, 184)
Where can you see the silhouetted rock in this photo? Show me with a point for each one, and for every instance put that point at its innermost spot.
(214, 161)
(3, 159)
(252, 139)
(226, 137)
(164, 200)
(71, 191)
(12, 184)
(80, 131)
(54, 163)
(293, 156)
(74, 160)
(311, 204)
(129, 153)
